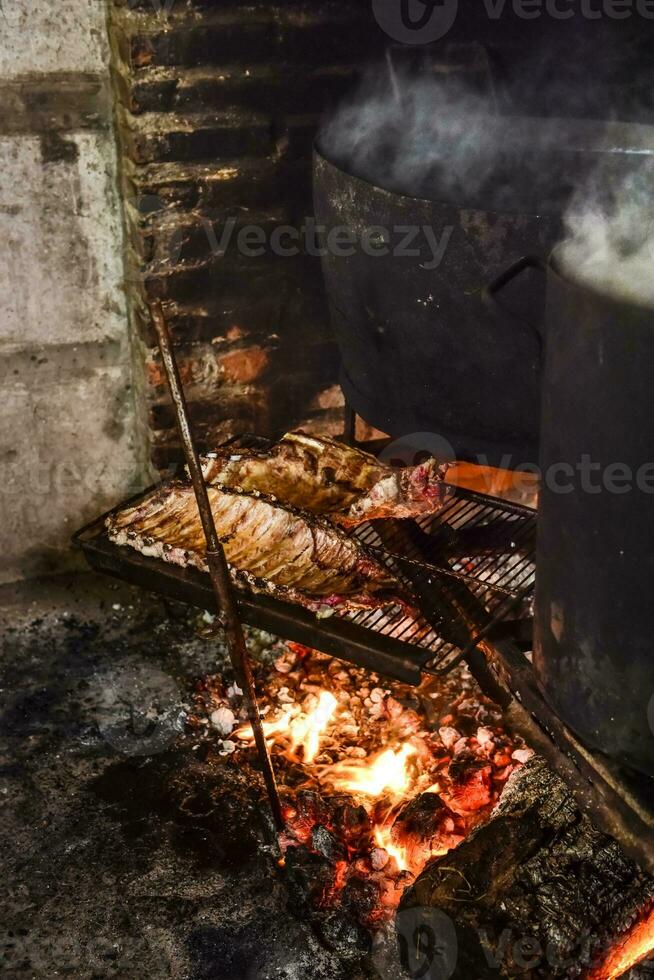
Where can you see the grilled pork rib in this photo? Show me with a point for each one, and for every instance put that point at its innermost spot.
(271, 548)
(326, 477)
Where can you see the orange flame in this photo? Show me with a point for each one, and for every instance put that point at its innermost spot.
(302, 730)
(388, 774)
(307, 729)
(630, 950)
(270, 728)
(383, 839)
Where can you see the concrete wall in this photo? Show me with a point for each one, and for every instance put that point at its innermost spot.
(69, 431)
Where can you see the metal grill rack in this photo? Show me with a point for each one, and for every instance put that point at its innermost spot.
(471, 566)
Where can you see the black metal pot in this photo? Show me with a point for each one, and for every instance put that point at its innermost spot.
(420, 350)
(594, 637)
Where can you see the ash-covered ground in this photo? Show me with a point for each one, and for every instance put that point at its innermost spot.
(128, 851)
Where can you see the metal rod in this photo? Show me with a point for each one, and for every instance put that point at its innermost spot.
(349, 425)
(218, 568)
(485, 632)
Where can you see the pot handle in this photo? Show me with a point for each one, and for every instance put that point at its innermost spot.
(490, 291)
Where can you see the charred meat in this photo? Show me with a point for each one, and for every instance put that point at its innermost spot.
(271, 548)
(326, 477)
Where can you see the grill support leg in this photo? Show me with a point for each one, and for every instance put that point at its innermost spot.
(349, 425)
(217, 563)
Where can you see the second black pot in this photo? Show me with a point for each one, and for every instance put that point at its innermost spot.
(594, 635)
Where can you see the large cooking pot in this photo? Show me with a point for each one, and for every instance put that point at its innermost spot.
(594, 633)
(420, 350)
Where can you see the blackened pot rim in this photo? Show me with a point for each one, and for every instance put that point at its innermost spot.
(585, 136)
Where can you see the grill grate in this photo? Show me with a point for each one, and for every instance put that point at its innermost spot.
(470, 567)
(475, 566)
(477, 552)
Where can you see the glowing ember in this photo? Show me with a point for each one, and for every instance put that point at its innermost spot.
(630, 950)
(307, 729)
(376, 778)
(388, 774)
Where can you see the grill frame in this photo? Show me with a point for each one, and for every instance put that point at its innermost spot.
(619, 808)
(366, 637)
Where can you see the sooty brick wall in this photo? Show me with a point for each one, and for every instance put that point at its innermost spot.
(218, 103)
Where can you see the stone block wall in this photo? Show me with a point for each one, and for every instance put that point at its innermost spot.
(70, 442)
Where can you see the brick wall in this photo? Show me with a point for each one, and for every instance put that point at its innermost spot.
(218, 103)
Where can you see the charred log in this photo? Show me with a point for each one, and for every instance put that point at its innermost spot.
(537, 891)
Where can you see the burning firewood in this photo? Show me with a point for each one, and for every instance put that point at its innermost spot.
(391, 791)
(425, 824)
(470, 783)
(538, 891)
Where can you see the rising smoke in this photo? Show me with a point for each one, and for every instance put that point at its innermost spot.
(443, 141)
(609, 226)
(413, 135)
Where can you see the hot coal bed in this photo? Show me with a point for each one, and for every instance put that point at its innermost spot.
(143, 844)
